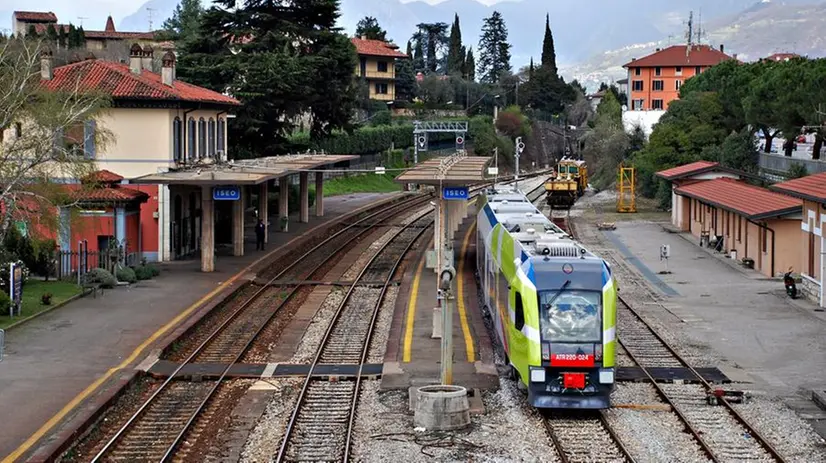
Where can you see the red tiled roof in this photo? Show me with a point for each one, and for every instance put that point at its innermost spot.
(41, 28)
(79, 192)
(700, 55)
(376, 48)
(782, 56)
(35, 16)
(119, 35)
(741, 198)
(812, 187)
(687, 170)
(119, 82)
(103, 176)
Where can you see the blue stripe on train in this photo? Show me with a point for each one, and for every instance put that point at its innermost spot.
(491, 217)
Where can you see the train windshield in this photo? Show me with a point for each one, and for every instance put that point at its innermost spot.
(570, 316)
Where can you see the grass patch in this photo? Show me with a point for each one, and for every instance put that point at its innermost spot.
(368, 183)
(33, 290)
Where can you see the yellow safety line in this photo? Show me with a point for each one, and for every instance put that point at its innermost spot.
(469, 347)
(411, 312)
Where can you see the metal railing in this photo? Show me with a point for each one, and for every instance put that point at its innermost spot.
(70, 264)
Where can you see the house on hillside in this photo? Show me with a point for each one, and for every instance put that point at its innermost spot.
(781, 57)
(655, 80)
(377, 65)
(96, 40)
(158, 123)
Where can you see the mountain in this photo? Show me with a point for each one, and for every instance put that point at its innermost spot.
(755, 32)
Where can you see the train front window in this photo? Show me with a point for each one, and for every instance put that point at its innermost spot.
(570, 316)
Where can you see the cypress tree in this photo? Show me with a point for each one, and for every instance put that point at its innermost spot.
(418, 57)
(455, 54)
(61, 37)
(494, 49)
(71, 40)
(32, 32)
(409, 49)
(51, 35)
(548, 50)
(470, 66)
(81, 37)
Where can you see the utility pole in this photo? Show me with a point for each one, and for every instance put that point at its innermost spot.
(150, 10)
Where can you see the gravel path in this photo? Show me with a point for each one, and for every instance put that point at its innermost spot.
(265, 439)
(357, 266)
(315, 332)
(789, 434)
(378, 345)
(508, 432)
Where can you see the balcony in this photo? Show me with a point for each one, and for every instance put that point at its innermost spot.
(389, 75)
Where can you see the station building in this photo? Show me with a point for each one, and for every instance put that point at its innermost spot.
(752, 224)
(157, 123)
(812, 266)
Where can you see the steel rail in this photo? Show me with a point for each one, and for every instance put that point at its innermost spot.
(563, 457)
(303, 394)
(108, 446)
(737, 416)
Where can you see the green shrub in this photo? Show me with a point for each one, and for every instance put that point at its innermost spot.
(100, 276)
(5, 304)
(154, 269)
(143, 273)
(365, 140)
(126, 274)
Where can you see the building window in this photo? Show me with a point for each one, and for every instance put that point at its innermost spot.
(638, 105)
(637, 85)
(656, 104)
(678, 70)
(698, 70)
(658, 85)
(637, 71)
(381, 89)
(90, 138)
(191, 138)
(658, 71)
(177, 140)
(678, 84)
(222, 127)
(382, 66)
(211, 134)
(202, 138)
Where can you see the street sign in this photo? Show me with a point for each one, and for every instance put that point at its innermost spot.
(455, 193)
(15, 287)
(226, 193)
(460, 141)
(421, 141)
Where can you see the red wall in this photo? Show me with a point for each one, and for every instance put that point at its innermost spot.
(132, 228)
(89, 227)
(148, 223)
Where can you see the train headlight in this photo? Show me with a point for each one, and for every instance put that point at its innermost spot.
(546, 352)
(538, 375)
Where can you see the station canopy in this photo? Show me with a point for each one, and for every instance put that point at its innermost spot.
(243, 172)
(452, 170)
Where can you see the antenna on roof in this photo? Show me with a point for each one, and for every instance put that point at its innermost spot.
(81, 18)
(150, 10)
(700, 31)
(689, 36)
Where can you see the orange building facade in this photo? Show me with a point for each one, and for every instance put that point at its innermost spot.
(654, 81)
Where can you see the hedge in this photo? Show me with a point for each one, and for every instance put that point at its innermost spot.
(365, 140)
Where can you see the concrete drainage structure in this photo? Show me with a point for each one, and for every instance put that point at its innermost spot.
(441, 408)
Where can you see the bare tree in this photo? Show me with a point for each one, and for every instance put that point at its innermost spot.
(45, 132)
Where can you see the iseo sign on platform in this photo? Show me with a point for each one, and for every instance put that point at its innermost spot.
(455, 193)
(226, 193)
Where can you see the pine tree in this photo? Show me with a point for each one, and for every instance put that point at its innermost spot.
(470, 66)
(405, 80)
(494, 55)
(432, 39)
(418, 57)
(455, 54)
(61, 38)
(369, 28)
(185, 21)
(548, 50)
(51, 35)
(409, 49)
(283, 59)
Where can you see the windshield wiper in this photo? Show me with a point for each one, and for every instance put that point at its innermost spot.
(558, 293)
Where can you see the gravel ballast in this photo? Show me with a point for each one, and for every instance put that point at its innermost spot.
(266, 438)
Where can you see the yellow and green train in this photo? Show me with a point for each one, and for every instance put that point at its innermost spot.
(553, 304)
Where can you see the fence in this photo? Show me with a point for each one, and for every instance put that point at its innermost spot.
(778, 165)
(69, 263)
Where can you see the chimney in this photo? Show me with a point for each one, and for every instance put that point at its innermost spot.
(147, 57)
(363, 37)
(722, 48)
(658, 49)
(168, 69)
(46, 70)
(135, 58)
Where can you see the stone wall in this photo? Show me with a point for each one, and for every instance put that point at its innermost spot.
(809, 289)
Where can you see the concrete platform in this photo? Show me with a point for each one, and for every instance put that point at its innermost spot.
(59, 366)
(413, 357)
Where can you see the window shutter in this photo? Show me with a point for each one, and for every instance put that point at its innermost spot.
(89, 138)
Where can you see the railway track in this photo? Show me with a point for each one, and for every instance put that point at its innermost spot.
(321, 425)
(156, 429)
(585, 437)
(718, 430)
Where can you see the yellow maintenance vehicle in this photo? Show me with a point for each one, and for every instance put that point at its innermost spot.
(568, 184)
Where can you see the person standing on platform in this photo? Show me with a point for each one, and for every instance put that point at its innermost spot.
(259, 235)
